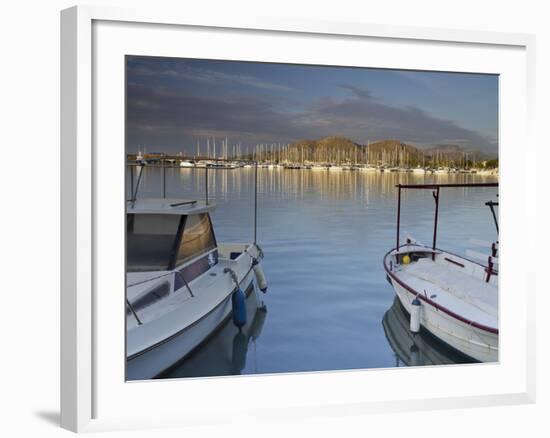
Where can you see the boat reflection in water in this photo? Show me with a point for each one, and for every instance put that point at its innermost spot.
(416, 349)
(225, 353)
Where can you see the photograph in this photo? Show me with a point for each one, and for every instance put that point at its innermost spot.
(291, 218)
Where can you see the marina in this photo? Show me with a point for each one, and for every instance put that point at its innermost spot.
(323, 236)
(235, 163)
(327, 154)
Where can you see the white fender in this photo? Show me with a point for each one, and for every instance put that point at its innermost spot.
(416, 308)
(260, 276)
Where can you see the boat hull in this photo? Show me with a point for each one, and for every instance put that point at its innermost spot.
(152, 361)
(415, 349)
(470, 339)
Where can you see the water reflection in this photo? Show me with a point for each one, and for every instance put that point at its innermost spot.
(227, 352)
(419, 349)
(324, 235)
(294, 184)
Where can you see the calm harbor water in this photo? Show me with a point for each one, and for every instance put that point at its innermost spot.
(324, 234)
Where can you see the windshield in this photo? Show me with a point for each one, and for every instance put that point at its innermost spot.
(198, 238)
(150, 241)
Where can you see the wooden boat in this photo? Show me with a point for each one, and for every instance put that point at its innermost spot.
(452, 297)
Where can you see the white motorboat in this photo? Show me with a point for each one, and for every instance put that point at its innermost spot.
(140, 159)
(201, 164)
(181, 284)
(186, 163)
(368, 169)
(222, 165)
(319, 167)
(452, 297)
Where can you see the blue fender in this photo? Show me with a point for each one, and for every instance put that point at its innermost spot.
(238, 301)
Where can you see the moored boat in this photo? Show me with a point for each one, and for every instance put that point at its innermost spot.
(319, 167)
(368, 169)
(182, 286)
(452, 297)
(419, 170)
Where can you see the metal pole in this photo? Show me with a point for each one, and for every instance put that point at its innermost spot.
(164, 180)
(436, 196)
(134, 196)
(206, 182)
(131, 180)
(255, 201)
(185, 283)
(133, 311)
(398, 216)
(491, 205)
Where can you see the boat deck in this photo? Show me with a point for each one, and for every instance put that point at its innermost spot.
(458, 291)
(180, 309)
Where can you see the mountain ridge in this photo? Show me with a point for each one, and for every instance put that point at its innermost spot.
(339, 149)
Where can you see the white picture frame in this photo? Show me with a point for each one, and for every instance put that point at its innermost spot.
(86, 403)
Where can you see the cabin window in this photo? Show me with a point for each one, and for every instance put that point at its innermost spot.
(150, 240)
(198, 238)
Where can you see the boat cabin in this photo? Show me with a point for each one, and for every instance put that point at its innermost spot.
(169, 234)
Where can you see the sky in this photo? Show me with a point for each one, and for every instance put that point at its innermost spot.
(173, 103)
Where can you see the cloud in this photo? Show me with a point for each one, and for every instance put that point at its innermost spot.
(361, 116)
(184, 72)
(360, 93)
(171, 119)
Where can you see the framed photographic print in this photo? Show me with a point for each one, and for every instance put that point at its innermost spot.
(257, 209)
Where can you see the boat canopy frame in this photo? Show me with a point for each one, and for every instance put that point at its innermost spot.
(134, 187)
(435, 193)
